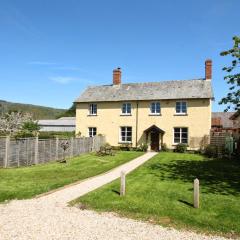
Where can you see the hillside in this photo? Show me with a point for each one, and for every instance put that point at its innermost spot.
(39, 112)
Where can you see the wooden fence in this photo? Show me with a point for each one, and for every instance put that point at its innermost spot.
(218, 139)
(29, 151)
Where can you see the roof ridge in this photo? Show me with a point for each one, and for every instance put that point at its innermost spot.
(140, 83)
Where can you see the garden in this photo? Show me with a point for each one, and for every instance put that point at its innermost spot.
(27, 182)
(161, 192)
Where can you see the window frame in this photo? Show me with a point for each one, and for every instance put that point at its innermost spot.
(126, 108)
(125, 131)
(91, 109)
(155, 113)
(181, 107)
(180, 135)
(91, 131)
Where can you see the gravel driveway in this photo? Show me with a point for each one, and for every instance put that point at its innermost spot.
(49, 217)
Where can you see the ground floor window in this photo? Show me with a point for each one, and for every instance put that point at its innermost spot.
(92, 131)
(181, 135)
(126, 134)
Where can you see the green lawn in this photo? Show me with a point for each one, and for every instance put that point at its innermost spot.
(26, 182)
(161, 191)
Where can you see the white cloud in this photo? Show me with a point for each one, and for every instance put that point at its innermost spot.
(67, 80)
(41, 63)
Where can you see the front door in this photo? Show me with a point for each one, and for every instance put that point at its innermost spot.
(155, 141)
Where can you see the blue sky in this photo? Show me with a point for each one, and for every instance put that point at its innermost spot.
(50, 50)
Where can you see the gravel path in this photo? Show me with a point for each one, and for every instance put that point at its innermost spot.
(49, 217)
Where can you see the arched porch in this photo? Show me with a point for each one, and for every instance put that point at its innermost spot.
(154, 137)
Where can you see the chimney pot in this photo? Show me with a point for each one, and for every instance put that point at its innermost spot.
(208, 69)
(117, 76)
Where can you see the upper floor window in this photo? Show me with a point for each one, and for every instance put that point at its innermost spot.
(155, 108)
(180, 135)
(126, 108)
(92, 131)
(126, 134)
(93, 109)
(181, 107)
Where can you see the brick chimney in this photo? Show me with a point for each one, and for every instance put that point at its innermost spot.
(117, 76)
(208, 69)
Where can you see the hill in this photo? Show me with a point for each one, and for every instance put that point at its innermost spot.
(38, 112)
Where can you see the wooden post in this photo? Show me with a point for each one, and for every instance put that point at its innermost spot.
(71, 147)
(196, 193)
(36, 151)
(57, 143)
(18, 154)
(123, 184)
(7, 150)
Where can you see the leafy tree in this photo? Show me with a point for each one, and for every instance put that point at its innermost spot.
(71, 112)
(30, 126)
(233, 77)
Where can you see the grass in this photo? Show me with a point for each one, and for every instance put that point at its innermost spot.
(161, 191)
(26, 182)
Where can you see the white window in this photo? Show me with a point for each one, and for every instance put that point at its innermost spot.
(126, 134)
(93, 109)
(181, 107)
(92, 131)
(180, 135)
(126, 108)
(155, 108)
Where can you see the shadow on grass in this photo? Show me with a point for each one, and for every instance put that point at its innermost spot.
(186, 203)
(216, 176)
(115, 191)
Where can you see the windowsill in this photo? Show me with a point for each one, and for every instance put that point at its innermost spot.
(125, 115)
(154, 114)
(175, 144)
(92, 115)
(180, 114)
(125, 142)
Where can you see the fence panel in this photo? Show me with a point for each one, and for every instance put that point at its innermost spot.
(29, 151)
(2, 150)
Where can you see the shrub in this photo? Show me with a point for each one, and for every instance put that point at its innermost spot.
(181, 148)
(116, 148)
(125, 147)
(210, 151)
(23, 134)
(47, 135)
(164, 147)
(143, 147)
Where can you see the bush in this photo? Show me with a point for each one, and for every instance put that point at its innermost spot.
(23, 134)
(181, 148)
(164, 147)
(210, 151)
(125, 147)
(48, 135)
(143, 147)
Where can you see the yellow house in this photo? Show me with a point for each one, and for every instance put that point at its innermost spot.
(156, 113)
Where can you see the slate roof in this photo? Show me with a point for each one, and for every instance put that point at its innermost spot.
(235, 115)
(224, 118)
(178, 89)
(71, 121)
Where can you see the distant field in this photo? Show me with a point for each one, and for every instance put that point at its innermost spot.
(39, 112)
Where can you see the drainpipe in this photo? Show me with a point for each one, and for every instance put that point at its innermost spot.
(136, 123)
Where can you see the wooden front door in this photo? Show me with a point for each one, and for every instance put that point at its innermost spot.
(155, 141)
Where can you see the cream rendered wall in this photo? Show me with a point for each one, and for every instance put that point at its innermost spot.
(109, 120)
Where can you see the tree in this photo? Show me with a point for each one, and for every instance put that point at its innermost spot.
(71, 112)
(233, 78)
(11, 123)
(30, 126)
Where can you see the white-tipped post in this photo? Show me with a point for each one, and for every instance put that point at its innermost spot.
(196, 193)
(123, 184)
